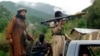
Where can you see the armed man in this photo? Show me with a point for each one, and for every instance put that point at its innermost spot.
(58, 35)
(57, 29)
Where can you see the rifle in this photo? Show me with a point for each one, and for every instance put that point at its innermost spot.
(60, 18)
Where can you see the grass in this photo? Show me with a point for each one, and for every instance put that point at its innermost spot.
(3, 38)
(3, 43)
(2, 53)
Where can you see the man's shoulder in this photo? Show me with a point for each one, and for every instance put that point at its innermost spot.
(13, 19)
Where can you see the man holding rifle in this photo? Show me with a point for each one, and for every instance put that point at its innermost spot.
(58, 35)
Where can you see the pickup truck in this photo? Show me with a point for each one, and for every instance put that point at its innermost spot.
(80, 47)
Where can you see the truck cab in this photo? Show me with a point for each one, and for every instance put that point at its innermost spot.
(82, 47)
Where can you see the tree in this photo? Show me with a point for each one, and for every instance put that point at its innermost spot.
(93, 16)
(4, 17)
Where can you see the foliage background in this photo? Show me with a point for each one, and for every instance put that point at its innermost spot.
(90, 20)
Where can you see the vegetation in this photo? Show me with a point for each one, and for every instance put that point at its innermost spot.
(93, 16)
(90, 20)
(4, 18)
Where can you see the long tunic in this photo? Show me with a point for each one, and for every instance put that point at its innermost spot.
(15, 31)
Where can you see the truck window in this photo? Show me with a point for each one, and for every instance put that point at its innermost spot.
(89, 50)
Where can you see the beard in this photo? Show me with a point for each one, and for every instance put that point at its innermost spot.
(22, 17)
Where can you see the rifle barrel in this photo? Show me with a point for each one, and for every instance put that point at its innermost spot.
(59, 18)
(54, 19)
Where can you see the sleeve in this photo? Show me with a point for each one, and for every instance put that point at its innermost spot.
(56, 29)
(52, 24)
(10, 28)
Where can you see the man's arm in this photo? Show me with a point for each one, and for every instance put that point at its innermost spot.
(9, 30)
(29, 37)
(67, 37)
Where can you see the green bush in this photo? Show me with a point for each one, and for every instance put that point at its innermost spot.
(2, 53)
